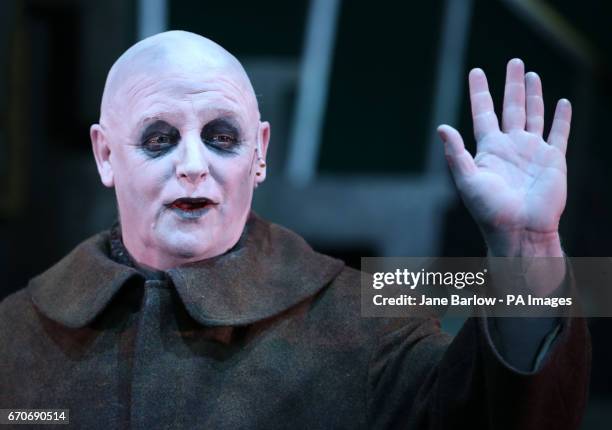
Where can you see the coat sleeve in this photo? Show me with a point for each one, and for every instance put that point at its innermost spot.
(420, 378)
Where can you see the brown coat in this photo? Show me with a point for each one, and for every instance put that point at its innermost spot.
(266, 336)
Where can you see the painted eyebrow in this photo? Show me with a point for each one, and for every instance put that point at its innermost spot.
(157, 126)
(224, 121)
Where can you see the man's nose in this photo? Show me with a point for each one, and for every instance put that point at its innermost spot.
(193, 165)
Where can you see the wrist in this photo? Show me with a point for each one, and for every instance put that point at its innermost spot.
(524, 243)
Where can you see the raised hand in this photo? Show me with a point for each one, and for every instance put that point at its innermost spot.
(515, 186)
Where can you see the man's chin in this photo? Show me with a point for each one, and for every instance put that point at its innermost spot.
(188, 247)
(188, 250)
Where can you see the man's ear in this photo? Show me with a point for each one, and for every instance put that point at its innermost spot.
(102, 151)
(263, 138)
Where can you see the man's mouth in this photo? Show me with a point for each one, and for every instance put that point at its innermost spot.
(191, 208)
(191, 204)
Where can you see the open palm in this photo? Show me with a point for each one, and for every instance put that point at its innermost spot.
(517, 180)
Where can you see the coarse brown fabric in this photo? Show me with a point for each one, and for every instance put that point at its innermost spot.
(266, 336)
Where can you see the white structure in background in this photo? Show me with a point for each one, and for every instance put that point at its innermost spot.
(313, 88)
(395, 216)
(152, 17)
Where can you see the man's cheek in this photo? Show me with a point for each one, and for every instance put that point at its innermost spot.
(242, 193)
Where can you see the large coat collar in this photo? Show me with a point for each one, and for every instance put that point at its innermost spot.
(267, 272)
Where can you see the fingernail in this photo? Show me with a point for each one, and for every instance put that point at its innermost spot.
(443, 135)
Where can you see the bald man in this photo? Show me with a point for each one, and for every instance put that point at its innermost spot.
(192, 312)
(155, 96)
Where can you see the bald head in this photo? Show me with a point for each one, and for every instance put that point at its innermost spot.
(172, 54)
(179, 122)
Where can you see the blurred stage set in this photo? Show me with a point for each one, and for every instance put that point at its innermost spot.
(354, 90)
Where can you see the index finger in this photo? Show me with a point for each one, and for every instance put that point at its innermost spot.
(559, 132)
(483, 112)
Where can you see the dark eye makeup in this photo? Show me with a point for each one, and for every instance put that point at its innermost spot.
(221, 134)
(158, 138)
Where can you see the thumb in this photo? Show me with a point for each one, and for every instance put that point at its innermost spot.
(459, 160)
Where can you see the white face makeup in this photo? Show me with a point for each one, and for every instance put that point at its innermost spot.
(182, 139)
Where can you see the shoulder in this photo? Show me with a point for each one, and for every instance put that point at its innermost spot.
(14, 308)
(19, 310)
(19, 323)
(342, 304)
